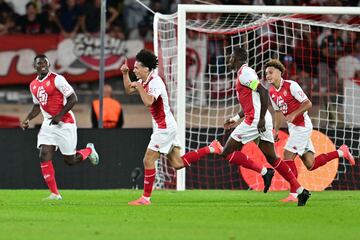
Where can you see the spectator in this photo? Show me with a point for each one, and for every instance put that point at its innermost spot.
(348, 71)
(6, 18)
(331, 49)
(142, 32)
(116, 31)
(30, 22)
(133, 14)
(69, 18)
(48, 20)
(91, 19)
(112, 112)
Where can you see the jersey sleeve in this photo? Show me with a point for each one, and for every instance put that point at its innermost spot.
(155, 87)
(35, 100)
(63, 86)
(275, 107)
(297, 92)
(249, 79)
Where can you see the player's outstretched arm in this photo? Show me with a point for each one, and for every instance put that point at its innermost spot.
(33, 113)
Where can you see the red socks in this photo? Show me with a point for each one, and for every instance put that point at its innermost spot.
(48, 173)
(84, 153)
(292, 166)
(240, 159)
(149, 178)
(322, 159)
(286, 173)
(194, 156)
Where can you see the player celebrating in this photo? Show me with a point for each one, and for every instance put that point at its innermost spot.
(54, 97)
(288, 99)
(253, 98)
(153, 93)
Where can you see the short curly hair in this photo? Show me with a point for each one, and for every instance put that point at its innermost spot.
(276, 64)
(241, 54)
(147, 58)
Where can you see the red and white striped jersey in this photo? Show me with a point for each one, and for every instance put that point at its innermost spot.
(162, 117)
(51, 93)
(288, 98)
(249, 99)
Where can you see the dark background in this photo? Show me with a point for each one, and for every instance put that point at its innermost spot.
(120, 150)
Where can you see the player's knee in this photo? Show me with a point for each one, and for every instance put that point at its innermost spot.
(225, 153)
(308, 166)
(177, 165)
(148, 163)
(271, 159)
(44, 156)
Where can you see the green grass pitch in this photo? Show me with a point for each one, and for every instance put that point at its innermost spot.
(192, 214)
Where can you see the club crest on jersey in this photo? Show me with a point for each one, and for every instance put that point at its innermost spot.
(48, 83)
(285, 92)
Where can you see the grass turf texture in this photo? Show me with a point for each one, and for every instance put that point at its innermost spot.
(193, 214)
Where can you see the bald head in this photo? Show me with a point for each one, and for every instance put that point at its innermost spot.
(107, 90)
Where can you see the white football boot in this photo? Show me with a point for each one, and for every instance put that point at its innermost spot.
(94, 156)
(53, 196)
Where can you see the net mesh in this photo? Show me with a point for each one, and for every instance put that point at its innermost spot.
(321, 53)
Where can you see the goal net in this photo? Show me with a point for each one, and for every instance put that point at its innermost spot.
(320, 51)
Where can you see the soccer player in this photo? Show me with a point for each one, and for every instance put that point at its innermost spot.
(54, 98)
(288, 99)
(253, 98)
(152, 91)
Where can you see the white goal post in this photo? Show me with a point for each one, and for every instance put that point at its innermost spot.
(182, 26)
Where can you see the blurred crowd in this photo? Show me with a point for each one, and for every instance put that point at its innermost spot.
(126, 19)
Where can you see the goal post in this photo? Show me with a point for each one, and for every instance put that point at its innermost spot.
(238, 25)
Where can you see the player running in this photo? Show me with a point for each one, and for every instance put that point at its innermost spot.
(152, 91)
(288, 99)
(253, 98)
(54, 98)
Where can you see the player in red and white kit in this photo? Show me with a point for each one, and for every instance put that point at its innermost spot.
(288, 99)
(54, 98)
(253, 98)
(164, 140)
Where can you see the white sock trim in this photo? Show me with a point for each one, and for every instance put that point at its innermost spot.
(341, 153)
(294, 195)
(212, 150)
(299, 190)
(263, 171)
(146, 198)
